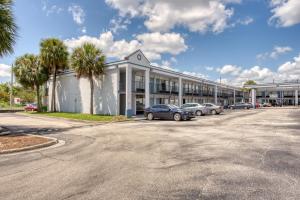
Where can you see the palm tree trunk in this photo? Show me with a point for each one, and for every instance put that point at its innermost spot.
(53, 106)
(38, 98)
(92, 96)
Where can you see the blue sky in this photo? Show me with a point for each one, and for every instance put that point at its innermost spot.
(235, 39)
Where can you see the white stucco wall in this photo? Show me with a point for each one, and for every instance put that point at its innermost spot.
(73, 95)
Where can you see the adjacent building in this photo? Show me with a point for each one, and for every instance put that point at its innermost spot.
(281, 94)
(130, 85)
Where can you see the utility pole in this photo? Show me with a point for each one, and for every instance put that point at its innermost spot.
(11, 88)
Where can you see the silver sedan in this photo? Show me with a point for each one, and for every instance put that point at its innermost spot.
(213, 109)
(197, 108)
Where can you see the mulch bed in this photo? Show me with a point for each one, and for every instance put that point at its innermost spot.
(16, 141)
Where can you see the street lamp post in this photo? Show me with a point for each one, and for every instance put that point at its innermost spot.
(11, 88)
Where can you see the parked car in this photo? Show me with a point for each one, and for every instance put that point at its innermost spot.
(266, 104)
(240, 106)
(163, 111)
(197, 108)
(257, 105)
(31, 107)
(213, 109)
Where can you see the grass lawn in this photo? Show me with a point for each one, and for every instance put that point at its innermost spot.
(79, 116)
(12, 108)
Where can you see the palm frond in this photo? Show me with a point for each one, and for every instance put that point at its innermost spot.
(8, 28)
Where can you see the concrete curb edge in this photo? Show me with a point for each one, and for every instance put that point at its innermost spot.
(33, 147)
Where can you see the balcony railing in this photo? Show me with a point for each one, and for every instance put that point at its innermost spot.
(138, 86)
(163, 89)
(122, 86)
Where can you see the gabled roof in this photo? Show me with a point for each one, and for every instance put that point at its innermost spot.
(140, 51)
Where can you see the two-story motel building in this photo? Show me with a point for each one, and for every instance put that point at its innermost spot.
(130, 85)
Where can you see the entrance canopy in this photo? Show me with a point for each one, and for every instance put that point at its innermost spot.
(276, 86)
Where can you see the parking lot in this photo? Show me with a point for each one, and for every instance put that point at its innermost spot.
(243, 154)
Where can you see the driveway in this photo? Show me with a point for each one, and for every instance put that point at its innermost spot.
(248, 154)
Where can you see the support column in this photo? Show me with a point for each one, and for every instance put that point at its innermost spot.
(216, 94)
(296, 98)
(129, 112)
(147, 88)
(233, 96)
(253, 97)
(180, 92)
(118, 92)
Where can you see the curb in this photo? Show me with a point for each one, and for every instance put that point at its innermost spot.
(37, 146)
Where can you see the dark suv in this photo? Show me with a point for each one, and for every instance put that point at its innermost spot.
(163, 111)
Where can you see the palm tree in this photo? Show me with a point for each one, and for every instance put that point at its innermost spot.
(54, 55)
(8, 28)
(30, 73)
(88, 61)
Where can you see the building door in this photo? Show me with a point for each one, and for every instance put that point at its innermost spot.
(122, 104)
(140, 104)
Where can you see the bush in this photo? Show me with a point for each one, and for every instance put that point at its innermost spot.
(44, 108)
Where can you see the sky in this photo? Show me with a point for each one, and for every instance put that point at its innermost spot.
(231, 41)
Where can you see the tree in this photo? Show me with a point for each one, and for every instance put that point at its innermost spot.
(30, 73)
(27, 95)
(88, 61)
(54, 55)
(8, 28)
(249, 82)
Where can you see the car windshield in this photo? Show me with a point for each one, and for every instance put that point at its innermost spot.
(173, 106)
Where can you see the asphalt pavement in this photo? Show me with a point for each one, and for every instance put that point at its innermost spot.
(247, 154)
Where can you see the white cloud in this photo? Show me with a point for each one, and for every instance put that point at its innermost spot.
(163, 15)
(209, 68)
(199, 75)
(166, 63)
(120, 23)
(276, 52)
(77, 13)
(173, 60)
(285, 12)
(152, 44)
(229, 69)
(256, 73)
(172, 43)
(51, 9)
(83, 29)
(5, 72)
(248, 20)
(290, 70)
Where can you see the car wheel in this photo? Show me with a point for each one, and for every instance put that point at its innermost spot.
(213, 112)
(177, 117)
(199, 113)
(150, 116)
